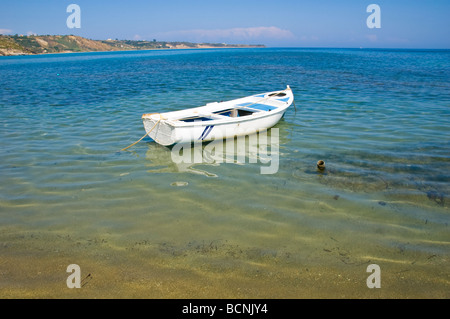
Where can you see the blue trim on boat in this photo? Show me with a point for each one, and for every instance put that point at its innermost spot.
(284, 100)
(262, 107)
(197, 119)
(206, 131)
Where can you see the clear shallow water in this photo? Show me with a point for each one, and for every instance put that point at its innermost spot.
(378, 118)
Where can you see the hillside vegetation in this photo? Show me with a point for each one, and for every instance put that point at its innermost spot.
(39, 44)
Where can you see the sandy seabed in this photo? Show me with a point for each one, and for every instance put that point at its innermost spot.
(34, 266)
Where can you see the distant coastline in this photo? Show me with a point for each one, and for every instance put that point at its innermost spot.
(11, 45)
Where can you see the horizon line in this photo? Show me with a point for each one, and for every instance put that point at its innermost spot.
(231, 44)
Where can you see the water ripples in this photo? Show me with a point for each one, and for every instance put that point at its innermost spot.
(379, 120)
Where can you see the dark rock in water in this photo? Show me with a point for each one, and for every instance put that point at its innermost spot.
(336, 197)
(382, 203)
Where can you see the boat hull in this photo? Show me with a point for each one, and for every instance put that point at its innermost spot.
(175, 128)
(165, 133)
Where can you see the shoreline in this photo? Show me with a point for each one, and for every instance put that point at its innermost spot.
(131, 50)
(19, 45)
(221, 48)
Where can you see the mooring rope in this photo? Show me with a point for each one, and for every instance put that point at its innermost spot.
(160, 117)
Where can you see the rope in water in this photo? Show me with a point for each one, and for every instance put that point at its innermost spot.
(160, 117)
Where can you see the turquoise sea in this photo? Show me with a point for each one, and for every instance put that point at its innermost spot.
(140, 225)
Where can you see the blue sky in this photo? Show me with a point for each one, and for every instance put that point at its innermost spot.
(287, 23)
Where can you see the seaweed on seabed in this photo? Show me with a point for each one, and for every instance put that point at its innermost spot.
(436, 196)
(355, 181)
(432, 192)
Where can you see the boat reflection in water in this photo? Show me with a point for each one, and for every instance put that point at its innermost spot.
(260, 149)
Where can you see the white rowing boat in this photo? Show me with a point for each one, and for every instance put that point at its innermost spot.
(216, 120)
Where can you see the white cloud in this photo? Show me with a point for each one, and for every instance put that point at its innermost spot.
(5, 31)
(250, 34)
